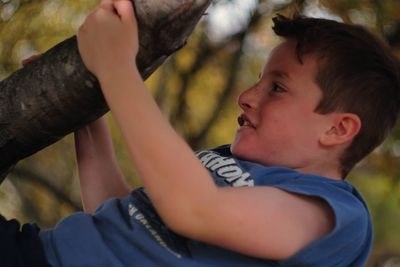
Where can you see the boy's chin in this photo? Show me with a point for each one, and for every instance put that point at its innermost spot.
(238, 152)
(233, 149)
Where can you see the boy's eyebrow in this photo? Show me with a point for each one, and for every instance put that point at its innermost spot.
(276, 73)
(280, 74)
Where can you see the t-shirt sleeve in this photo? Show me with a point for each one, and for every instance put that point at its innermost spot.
(349, 243)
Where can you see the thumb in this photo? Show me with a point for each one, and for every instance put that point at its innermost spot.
(124, 10)
(107, 5)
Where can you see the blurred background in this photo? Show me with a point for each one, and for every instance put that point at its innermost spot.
(197, 90)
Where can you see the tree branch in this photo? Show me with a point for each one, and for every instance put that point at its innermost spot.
(55, 95)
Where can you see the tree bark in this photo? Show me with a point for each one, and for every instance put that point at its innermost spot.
(55, 95)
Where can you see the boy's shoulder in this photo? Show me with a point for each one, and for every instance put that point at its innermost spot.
(228, 170)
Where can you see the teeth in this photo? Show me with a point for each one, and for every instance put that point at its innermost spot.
(244, 122)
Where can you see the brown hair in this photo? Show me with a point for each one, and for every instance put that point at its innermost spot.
(357, 73)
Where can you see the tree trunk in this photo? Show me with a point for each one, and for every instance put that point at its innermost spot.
(55, 95)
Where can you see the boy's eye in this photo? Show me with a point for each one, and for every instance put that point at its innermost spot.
(276, 88)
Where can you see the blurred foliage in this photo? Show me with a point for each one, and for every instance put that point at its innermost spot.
(197, 89)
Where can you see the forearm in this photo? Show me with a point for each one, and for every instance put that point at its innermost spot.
(174, 178)
(177, 183)
(99, 173)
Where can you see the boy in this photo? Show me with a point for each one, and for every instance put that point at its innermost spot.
(326, 97)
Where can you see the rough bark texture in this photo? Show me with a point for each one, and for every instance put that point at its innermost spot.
(55, 95)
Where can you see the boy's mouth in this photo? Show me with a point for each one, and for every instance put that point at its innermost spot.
(244, 121)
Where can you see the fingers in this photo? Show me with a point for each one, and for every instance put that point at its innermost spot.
(30, 59)
(124, 9)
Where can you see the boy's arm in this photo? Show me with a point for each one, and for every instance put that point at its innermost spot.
(99, 174)
(263, 221)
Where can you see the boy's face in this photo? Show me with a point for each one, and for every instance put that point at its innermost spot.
(278, 126)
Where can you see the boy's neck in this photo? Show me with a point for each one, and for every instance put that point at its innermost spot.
(329, 172)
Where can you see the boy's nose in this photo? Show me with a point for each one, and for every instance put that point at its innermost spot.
(249, 98)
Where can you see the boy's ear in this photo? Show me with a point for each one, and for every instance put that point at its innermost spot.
(343, 128)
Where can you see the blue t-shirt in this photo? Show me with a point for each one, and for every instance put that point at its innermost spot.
(129, 232)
